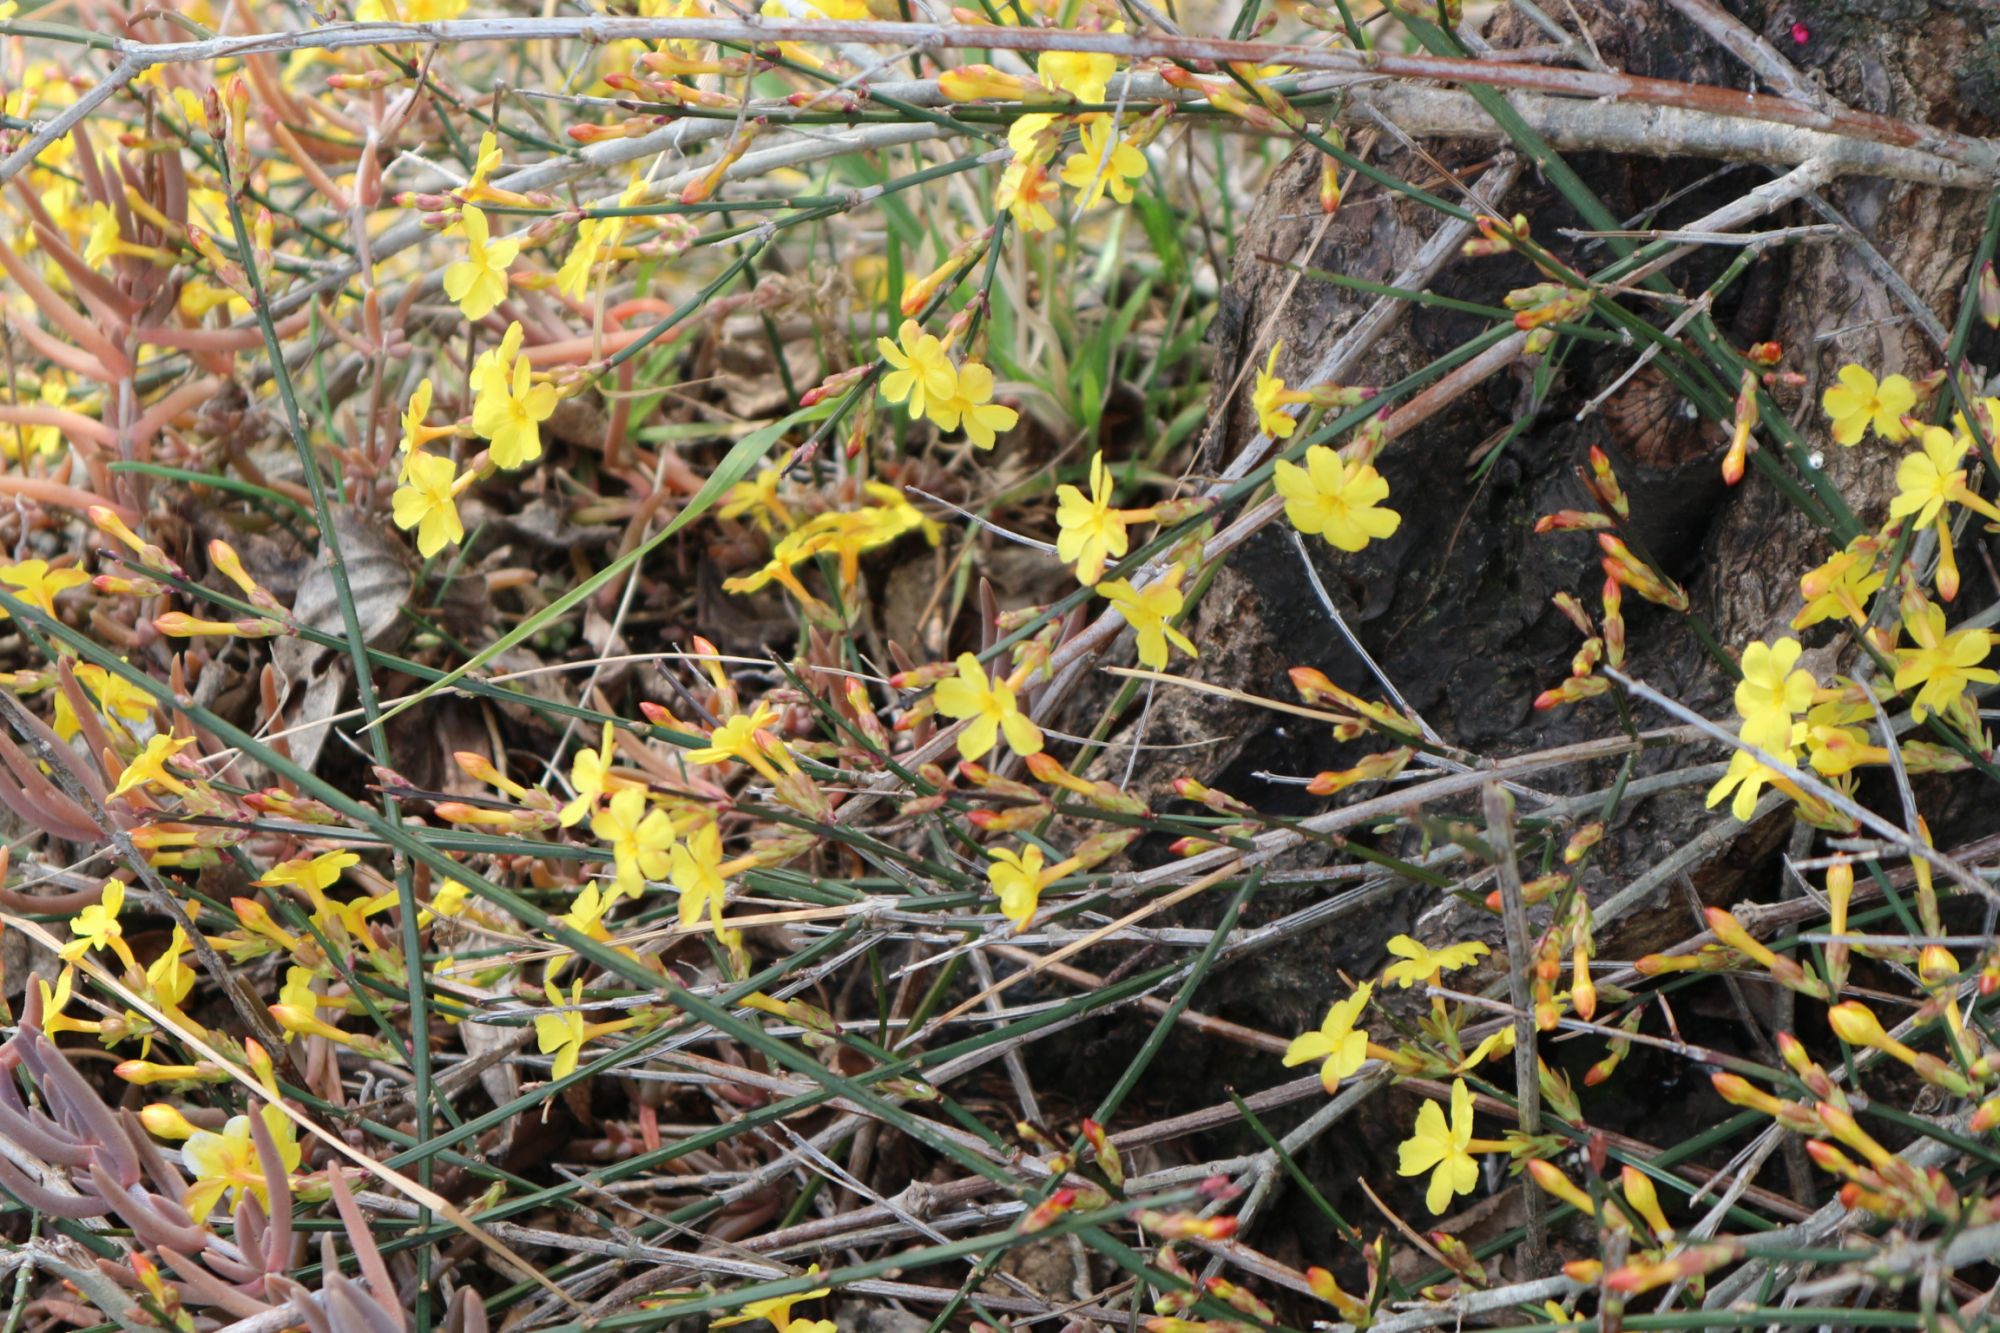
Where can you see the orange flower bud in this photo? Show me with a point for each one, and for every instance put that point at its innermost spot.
(970, 83)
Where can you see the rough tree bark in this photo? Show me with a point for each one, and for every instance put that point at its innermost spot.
(1456, 606)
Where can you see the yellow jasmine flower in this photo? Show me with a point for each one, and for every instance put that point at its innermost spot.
(1147, 610)
(1420, 964)
(314, 875)
(479, 281)
(922, 374)
(1443, 1150)
(1019, 878)
(1772, 692)
(428, 501)
(35, 583)
(227, 1163)
(118, 701)
(96, 927)
(565, 1034)
(1336, 499)
(1081, 74)
(589, 773)
(777, 1309)
(1342, 1046)
(508, 407)
(1943, 665)
(640, 839)
(573, 278)
(1026, 190)
(1842, 586)
(971, 405)
(1858, 402)
(1091, 533)
(745, 738)
(1269, 397)
(1125, 165)
(696, 871)
(992, 708)
(149, 768)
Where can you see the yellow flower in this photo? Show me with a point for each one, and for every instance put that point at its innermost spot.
(415, 433)
(479, 281)
(228, 1162)
(54, 1021)
(508, 407)
(744, 738)
(971, 405)
(96, 926)
(316, 875)
(1081, 74)
(1080, 170)
(1442, 1150)
(640, 839)
(777, 1309)
(1336, 499)
(1928, 480)
(1092, 533)
(1772, 693)
(1019, 878)
(1269, 398)
(38, 585)
(118, 701)
(1842, 586)
(1341, 1045)
(991, 706)
(1498, 1042)
(1148, 610)
(1026, 190)
(696, 872)
(427, 501)
(1858, 401)
(105, 241)
(149, 768)
(586, 913)
(561, 1034)
(45, 441)
(1420, 964)
(408, 11)
(923, 372)
(573, 278)
(1943, 665)
(589, 774)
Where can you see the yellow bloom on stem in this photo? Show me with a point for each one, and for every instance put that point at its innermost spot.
(1081, 74)
(640, 839)
(38, 585)
(971, 405)
(565, 1034)
(508, 407)
(1943, 665)
(315, 875)
(1772, 692)
(992, 709)
(1842, 586)
(744, 738)
(922, 374)
(573, 278)
(479, 281)
(1859, 401)
(1420, 964)
(149, 767)
(777, 1309)
(1269, 398)
(696, 870)
(1026, 191)
(1081, 169)
(228, 1163)
(1342, 1046)
(1443, 1150)
(54, 1021)
(589, 773)
(415, 433)
(1928, 480)
(96, 926)
(1147, 610)
(1336, 499)
(1092, 533)
(428, 501)
(45, 441)
(1019, 878)
(118, 701)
